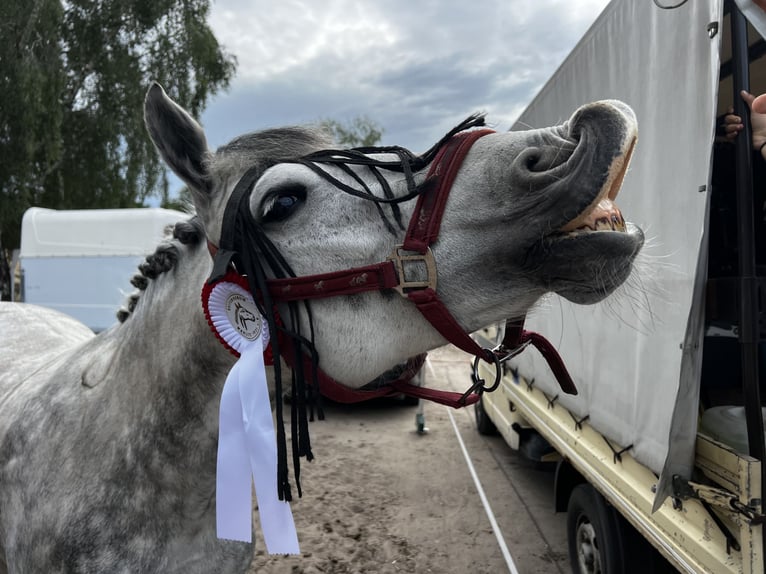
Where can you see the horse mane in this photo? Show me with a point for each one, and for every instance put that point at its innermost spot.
(164, 258)
(266, 148)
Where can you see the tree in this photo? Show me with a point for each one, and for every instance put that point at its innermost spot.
(73, 76)
(361, 131)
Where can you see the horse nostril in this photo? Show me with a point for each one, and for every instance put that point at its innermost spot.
(544, 159)
(549, 155)
(532, 161)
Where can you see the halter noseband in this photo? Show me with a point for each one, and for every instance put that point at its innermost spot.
(422, 231)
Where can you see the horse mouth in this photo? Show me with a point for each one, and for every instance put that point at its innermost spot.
(593, 253)
(603, 214)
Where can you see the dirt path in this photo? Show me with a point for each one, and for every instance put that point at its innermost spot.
(381, 498)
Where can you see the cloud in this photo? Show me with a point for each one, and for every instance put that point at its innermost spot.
(416, 68)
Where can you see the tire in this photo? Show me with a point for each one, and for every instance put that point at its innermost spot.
(593, 532)
(484, 424)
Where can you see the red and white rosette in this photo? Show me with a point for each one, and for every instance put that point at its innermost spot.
(247, 444)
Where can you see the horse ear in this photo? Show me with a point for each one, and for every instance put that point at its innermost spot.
(179, 139)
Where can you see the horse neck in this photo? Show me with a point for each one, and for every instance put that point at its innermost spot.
(166, 347)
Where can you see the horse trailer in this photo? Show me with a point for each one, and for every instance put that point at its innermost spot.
(80, 261)
(664, 443)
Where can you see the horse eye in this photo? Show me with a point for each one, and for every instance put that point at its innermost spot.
(281, 204)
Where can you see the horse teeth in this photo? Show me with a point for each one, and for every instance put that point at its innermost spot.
(603, 224)
(613, 223)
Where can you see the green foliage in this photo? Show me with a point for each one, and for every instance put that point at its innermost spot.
(73, 76)
(182, 201)
(31, 80)
(359, 132)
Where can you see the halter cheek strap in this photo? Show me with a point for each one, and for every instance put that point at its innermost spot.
(424, 230)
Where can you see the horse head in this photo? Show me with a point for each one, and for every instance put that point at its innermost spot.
(528, 212)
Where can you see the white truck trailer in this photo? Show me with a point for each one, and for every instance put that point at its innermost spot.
(664, 443)
(80, 261)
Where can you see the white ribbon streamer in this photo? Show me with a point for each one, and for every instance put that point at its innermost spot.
(247, 446)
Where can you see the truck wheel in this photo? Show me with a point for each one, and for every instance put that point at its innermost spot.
(593, 533)
(484, 424)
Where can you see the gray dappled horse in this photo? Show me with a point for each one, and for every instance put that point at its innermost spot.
(108, 442)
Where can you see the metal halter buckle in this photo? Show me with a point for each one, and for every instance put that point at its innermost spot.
(399, 260)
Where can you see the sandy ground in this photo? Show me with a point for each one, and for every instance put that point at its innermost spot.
(381, 498)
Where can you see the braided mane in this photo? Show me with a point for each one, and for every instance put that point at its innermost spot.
(164, 258)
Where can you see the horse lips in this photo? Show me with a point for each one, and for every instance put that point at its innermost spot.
(606, 216)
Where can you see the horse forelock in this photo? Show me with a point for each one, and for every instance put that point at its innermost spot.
(188, 232)
(266, 148)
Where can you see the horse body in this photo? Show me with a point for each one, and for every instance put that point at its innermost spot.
(108, 443)
(108, 448)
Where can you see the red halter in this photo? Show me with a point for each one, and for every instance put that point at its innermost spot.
(423, 230)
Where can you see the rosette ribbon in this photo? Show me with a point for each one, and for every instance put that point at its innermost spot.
(247, 446)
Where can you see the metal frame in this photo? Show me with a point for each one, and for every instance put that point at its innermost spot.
(748, 283)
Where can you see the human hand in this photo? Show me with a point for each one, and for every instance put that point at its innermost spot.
(757, 118)
(730, 126)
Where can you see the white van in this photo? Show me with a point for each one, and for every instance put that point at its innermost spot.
(80, 261)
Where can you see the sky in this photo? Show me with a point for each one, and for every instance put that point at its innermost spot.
(415, 67)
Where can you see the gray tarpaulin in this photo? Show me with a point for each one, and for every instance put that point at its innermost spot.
(636, 356)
